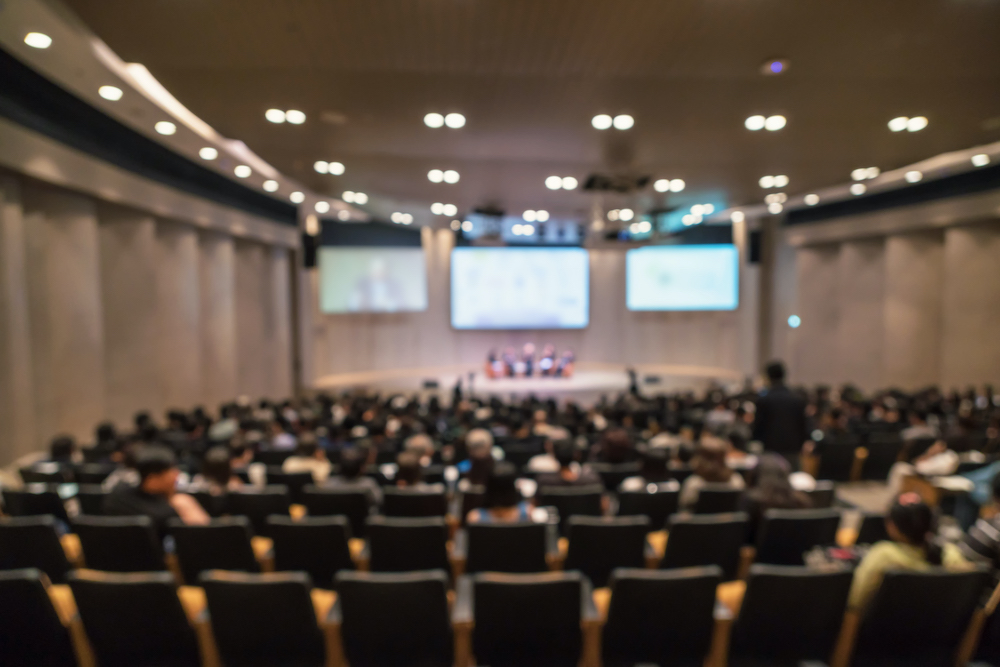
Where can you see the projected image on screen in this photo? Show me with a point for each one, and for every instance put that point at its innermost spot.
(372, 280)
(519, 288)
(694, 277)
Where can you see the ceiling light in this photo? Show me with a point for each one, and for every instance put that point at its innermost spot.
(467, 225)
(449, 209)
(776, 66)
(913, 176)
(208, 153)
(336, 168)
(165, 127)
(569, 183)
(601, 121)
(766, 182)
(980, 160)
(872, 172)
(360, 198)
(527, 230)
(898, 124)
(295, 117)
(780, 181)
(542, 216)
(344, 214)
(112, 93)
(626, 214)
(775, 208)
(697, 209)
(456, 225)
(613, 214)
(517, 229)
(242, 171)
(677, 185)
(348, 197)
(623, 122)
(858, 189)
(454, 120)
(645, 226)
(737, 216)
(662, 185)
(321, 167)
(691, 219)
(774, 123)
(553, 182)
(435, 175)
(297, 197)
(38, 40)
(529, 215)
(794, 321)
(451, 176)
(275, 115)
(754, 123)
(434, 120)
(271, 186)
(811, 200)
(634, 228)
(859, 174)
(407, 218)
(916, 124)
(396, 217)
(437, 208)
(322, 207)
(708, 209)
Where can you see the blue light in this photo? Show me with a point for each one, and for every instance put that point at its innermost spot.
(776, 67)
(794, 321)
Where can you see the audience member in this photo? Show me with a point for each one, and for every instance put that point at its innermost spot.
(63, 450)
(615, 446)
(216, 476)
(708, 467)
(308, 457)
(408, 470)
(503, 502)
(280, 437)
(352, 465)
(546, 461)
(770, 488)
(654, 470)
(422, 446)
(981, 544)
(916, 460)
(570, 473)
(780, 418)
(478, 467)
(919, 428)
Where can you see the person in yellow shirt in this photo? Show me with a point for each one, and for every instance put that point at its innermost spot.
(912, 546)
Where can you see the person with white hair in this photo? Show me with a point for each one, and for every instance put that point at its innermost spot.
(422, 446)
(478, 467)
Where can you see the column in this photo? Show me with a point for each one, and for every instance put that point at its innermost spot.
(814, 344)
(217, 299)
(281, 328)
(253, 358)
(179, 297)
(971, 306)
(914, 274)
(860, 334)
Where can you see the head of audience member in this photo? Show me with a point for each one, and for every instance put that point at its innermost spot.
(775, 372)
(240, 454)
(408, 472)
(352, 462)
(308, 446)
(501, 487)
(565, 453)
(105, 433)
(422, 446)
(479, 444)
(217, 466)
(654, 464)
(616, 446)
(62, 449)
(157, 468)
(709, 460)
(911, 521)
(771, 486)
(918, 417)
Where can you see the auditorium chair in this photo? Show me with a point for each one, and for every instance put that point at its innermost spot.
(394, 620)
(657, 504)
(598, 545)
(119, 543)
(215, 505)
(918, 619)
(681, 473)
(262, 620)
(134, 620)
(660, 617)
(472, 498)
(415, 502)
(433, 474)
(294, 482)
(407, 544)
(613, 474)
(823, 495)
(272, 457)
(872, 528)
(46, 472)
(348, 501)
(91, 498)
(717, 499)
(94, 473)
(31, 633)
(525, 620)
(316, 544)
(222, 544)
(257, 504)
(506, 547)
(710, 539)
(32, 542)
(569, 501)
(789, 615)
(836, 458)
(520, 452)
(35, 500)
(785, 536)
(883, 452)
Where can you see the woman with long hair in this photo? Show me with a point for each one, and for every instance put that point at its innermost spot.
(770, 488)
(708, 467)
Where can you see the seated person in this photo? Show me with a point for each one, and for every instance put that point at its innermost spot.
(708, 467)
(479, 465)
(546, 462)
(654, 470)
(981, 544)
(216, 476)
(570, 473)
(352, 465)
(770, 488)
(125, 473)
(421, 445)
(934, 461)
(912, 545)
(408, 471)
(63, 449)
(615, 446)
(308, 457)
(105, 440)
(503, 502)
(156, 495)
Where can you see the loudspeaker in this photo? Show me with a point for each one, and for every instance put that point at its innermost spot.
(309, 246)
(754, 246)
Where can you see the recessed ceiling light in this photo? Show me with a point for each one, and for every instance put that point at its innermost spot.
(449, 209)
(454, 120)
(645, 226)
(275, 115)
(626, 214)
(613, 214)
(916, 124)
(913, 176)
(396, 217)
(754, 123)
(527, 230)
(980, 160)
(336, 168)
(434, 120)
(271, 186)
(553, 182)
(872, 172)
(859, 174)
(623, 122)
(348, 196)
(811, 200)
(295, 117)
(360, 198)
(708, 209)
(322, 207)
(541, 216)
(112, 93)
(321, 166)
(775, 208)
(898, 124)
(165, 127)
(467, 225)
(766, 182)
(662, 185)
(242, 171)
(456, 225)
(774, 123)
(569, 183)
(38, 40)
(794, 321)
(737, 216)
(297, 197)
(677, 185)
(776, 66)
(407, 218)
(780, 181)
(208, 153)
(858, 189)
(435, 175)
(451, 176)
(601, 121)
(344, 214)
(529, 215)
(437, 208)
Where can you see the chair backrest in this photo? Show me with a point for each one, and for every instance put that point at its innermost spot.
(572, 500)
(31, 634)
(717, 499)
(395, 620)
(790, 614)
(94, 473)
(520, 453)
(351, 502)
(883, 452)
(46, 472)
(272, 457)
(872, 528)
(657, 504)
(918, 618)
(613, 474)
(508, 547)
(91, 499)
(823, 496)
(836, 459)
(222, 544)
(429, 501)
(264, 619)
(407, 544)
(660, 617)
(433, 474)
(134, 619)
(34, 500)
(295, 482)
(707, 539)
(681, 473)
(119, 543)
(786, 535)
(315, 544)
(31, 541)
(215, 504)
(258, 504)
(598, 545)
(472, 498)
(528, 619)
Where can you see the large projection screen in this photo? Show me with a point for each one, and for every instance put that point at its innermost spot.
(682, 277)
(372, 279)
(520, 288)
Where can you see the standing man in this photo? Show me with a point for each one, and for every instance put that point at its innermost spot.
(780, 419)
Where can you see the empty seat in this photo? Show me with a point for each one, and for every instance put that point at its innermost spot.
(31, 634)
(598, 545)
(223, 544)
(786, 535)
(294, 482)
(526, 620)
(572, 500)
(262, 620)
(823, 496)
(119, 543)
(35, 500)
(872, 528)
(717, 499)
(789, 615)
(32, 542)
(613, 474)
(134, 620)
(657, 504)
(506, 547)
(94, 473)
(918, 619)
(836, 458)
(407, 544)
(91, 499)
(258, 504)
(711, 539)
(315, 544)
(883, 452)
(425, 501)
(351, 502)
(412, 607)
(660, 617)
